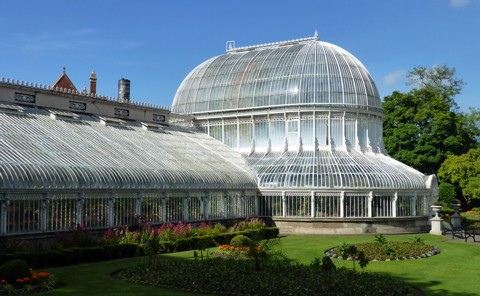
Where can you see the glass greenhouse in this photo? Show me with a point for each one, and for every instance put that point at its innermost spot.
(307, 116)
(289, 130)
(58, 172)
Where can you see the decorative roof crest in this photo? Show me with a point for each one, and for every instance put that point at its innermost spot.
(230, 46)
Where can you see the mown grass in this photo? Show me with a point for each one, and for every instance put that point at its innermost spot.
(95, 279)
(452, 272)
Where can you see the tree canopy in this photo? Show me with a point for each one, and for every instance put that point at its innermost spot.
(423, 126)
(464, 172)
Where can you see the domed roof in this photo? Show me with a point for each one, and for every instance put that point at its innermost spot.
(298, 73)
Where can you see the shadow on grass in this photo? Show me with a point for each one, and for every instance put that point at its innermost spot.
(429, 287)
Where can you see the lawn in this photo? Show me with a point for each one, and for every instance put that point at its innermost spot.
(454, 271)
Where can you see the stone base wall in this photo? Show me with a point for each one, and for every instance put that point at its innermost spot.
(351, 226)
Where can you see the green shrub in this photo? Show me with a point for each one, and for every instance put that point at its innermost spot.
(110, 252)
(129, 250)
(78, 255)
(14, 269)
(240, 241)
(219, 228)
(253, 223)
(446, 192)
(6, 257)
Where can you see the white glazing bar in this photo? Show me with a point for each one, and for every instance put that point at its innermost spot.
(242, 204)
(394, 204)
(165, 198)
(414, 202)
(225, 204)
(44, 211)
(110, 210)
(284, 204)
(370, 201)
(4, 212)
(79, 208)
(312, 204)
(185, 201)
(342, 204)
(138, 204)
(206, 206)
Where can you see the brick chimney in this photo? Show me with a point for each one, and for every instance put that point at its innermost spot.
(93, 83)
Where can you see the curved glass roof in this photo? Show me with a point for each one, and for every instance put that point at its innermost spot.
(327, 169)
(40, 152)
(304, 73)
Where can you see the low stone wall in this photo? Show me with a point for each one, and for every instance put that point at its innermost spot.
(351, 226)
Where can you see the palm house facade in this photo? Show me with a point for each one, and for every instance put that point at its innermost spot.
(70, 159)
(307, 117)
(289, 131)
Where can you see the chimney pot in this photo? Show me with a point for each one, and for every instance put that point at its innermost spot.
(93, 83)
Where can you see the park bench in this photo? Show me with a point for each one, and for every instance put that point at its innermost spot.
(460, 231)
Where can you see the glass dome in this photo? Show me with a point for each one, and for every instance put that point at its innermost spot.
(297, 73)
(305, 114)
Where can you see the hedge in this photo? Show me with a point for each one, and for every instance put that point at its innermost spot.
(77, 255)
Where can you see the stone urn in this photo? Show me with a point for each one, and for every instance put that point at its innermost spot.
(436, 209)
(456, 206)
(436, 221)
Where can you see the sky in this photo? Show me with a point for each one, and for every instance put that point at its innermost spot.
(156, 43)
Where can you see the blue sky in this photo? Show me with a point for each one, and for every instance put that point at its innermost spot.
(156, 44)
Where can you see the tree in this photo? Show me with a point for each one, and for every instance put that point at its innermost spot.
(423, 126)
(473, 122)
(436, 79)
(464, 172)
(446, 192)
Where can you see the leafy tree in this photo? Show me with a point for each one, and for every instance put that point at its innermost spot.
(440, 79)
(446, 192)
(464, 172)
(473, 122)
(423, 126)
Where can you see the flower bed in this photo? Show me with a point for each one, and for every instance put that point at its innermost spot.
(381, 250)
(224, 276)
(35, 283)
(226, 250)
(123, 242)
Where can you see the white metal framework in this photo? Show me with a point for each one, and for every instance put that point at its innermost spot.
(307, 116)
(57, 172)
(301, 126)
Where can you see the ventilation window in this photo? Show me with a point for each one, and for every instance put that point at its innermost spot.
(109, 121)
(63, 115)
(151, 126)
(10, 108)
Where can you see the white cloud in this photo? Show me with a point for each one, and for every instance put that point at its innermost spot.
(394, 77)
(459, 3)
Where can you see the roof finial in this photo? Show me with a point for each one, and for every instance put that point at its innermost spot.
(64, 69)
(315, 35)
